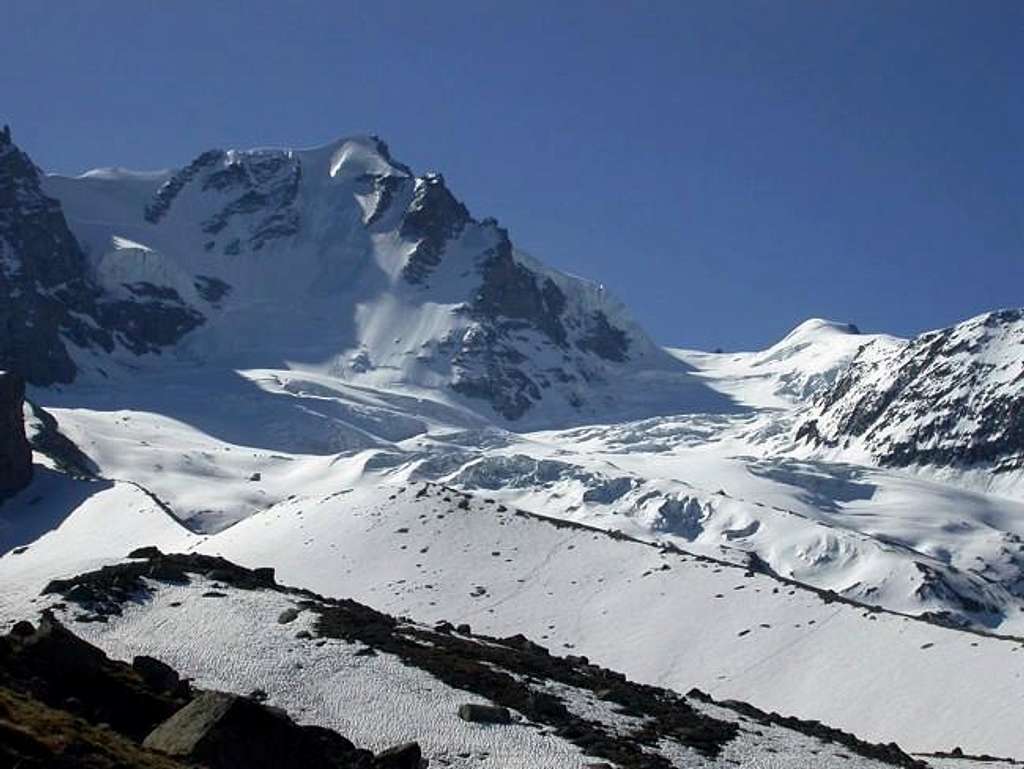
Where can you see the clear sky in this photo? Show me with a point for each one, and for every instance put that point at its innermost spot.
(727, 168)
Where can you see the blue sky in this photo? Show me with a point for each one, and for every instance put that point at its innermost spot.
(726, 168)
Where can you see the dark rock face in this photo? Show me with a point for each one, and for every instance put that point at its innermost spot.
(53, 665)
(44, 277)
(603, 339)
(492, 361)
(169, 190)
(157, 675)
(405, 756)
(211, 289)
(15, 452)
(433, 218)
(154, 319)
(948, 398)
(265, 183)
(50, 295)
(510, 291)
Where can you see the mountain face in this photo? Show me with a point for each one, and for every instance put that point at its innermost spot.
(44, 277)
(949, 399)
(339, 259)
(51, 298)
(15, 452)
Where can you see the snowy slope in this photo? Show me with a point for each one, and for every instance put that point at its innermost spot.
(328, 663)
(790, 372)
(647, 612)
(661, 616)
(219, 448)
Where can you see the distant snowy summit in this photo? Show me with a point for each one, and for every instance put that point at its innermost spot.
(337, 259)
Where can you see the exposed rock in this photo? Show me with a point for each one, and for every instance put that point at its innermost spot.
(225, 731)
(44, 277)
(211, 289)
(45, 436)
(405, 756)
(433, 218)
(157, 675)
(53, 665)
(50, 294)
(149, 551)
(15, 452)
(484, 714)
(287, 616)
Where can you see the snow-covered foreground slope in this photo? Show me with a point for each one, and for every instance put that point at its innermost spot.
(660, 616)
(380, 681)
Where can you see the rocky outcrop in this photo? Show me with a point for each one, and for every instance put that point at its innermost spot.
(15, 452)
(433, 218)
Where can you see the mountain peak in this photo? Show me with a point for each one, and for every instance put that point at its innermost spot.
(817, 328)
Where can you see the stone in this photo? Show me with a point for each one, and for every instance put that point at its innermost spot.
(405, 756)
(149, 552)
(158, 675)
(225, 731)
(484, 714)
(288, 615)
(23, 629)
(264, 574)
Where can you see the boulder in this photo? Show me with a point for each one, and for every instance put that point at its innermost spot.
(405, 756)
(158, 675)
(264, 574)
(15, 452)
(288, 615)
(484, 714)
(225, 731)
(148, 552)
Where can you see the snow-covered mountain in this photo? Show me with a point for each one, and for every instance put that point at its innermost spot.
(340, 260)
(948, 400)
(318, 360)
